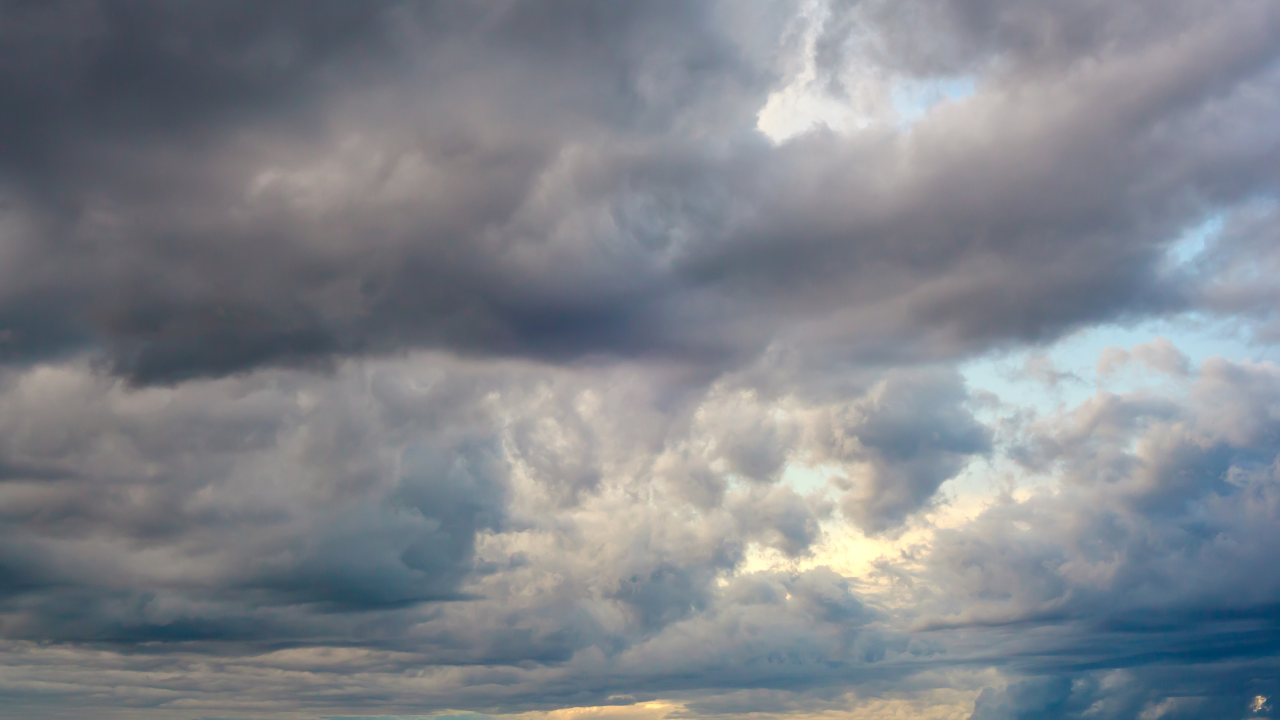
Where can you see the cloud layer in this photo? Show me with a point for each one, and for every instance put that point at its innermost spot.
(499, 356)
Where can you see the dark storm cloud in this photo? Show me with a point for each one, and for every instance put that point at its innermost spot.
(197, 191)
(133, 159)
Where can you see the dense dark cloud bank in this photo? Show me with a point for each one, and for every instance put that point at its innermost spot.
(570, 358)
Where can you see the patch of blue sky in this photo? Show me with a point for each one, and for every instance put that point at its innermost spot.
(1196, 239)
(1062, 375)
(1065, 373)
(913, 98)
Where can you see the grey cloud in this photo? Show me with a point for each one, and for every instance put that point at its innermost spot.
(398, 516)
(927, 37)
(663, 594)
(397, 182)
(890, 445)
(1045, 698)
(1240, 266)
(440, 556)
(453, 355)
(780, 517)
(1114, 695)
(909, 435)
(1148, 562)
(753, 446)
(250, 495)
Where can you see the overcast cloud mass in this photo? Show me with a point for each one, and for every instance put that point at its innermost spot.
(573, 359)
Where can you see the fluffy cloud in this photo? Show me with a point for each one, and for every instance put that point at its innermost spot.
(406, 357)
(1150, 556)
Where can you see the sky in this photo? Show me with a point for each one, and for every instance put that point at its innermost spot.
(588, 360)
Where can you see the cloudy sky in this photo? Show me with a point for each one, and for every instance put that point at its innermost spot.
(663, 360)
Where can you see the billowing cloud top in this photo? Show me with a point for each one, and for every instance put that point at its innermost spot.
(790, 358)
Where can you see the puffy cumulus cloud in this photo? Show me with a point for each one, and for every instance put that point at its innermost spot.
(422, 527)
(903, 440)
(1159, 355)
(1138, 583)
(453, 568)
(490, 356)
